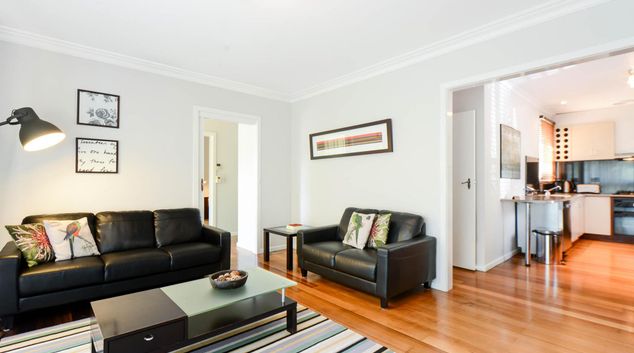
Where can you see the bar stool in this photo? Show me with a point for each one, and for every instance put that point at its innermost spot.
(549, 249)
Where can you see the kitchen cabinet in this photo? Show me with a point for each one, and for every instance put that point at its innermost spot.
(577, 218)
(598, 214)
(584, 142)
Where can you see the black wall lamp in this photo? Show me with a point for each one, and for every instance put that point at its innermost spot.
(35, 133)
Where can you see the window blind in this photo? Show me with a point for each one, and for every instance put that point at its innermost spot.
(546, 151)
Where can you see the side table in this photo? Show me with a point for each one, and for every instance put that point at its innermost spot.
(282, 231)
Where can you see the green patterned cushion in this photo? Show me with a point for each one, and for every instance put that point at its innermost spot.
(33, 242)
(380, 228)
(358, 230)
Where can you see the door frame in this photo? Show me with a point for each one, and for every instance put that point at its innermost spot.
(474, 182)
(212, 186)
(199, 114)
(444, 279)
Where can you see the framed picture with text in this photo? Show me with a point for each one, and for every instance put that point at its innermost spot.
(97, 109)
(96, 156)
(374, 137)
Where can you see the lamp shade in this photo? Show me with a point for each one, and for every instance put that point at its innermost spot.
(35, 133)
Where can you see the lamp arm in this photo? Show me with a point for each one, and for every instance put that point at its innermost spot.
(12, 120)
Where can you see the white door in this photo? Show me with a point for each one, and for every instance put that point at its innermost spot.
(464, 190)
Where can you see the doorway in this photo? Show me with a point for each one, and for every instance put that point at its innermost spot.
(209, 180)
(449, 211)
(227, 172)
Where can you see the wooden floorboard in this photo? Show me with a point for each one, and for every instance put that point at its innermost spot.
(585, 306)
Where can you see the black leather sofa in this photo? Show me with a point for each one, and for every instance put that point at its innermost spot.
(139, 250)
(407, 261)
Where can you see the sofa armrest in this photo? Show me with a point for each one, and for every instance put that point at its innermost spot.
(313, 235)
(222, 239)
(10, 264)
(405, 265)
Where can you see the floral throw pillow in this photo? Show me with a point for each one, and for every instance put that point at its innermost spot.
(359, 229)
(33, 242)
(71, 239)
(380, 228)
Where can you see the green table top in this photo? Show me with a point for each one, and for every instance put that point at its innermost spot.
(197, 297)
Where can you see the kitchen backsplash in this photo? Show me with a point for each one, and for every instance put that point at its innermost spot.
(613, 175)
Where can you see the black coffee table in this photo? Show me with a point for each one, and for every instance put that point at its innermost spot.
(285, 232)
(168, 318)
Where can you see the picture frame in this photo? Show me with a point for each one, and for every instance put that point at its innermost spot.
(369, 138)
(98, 109)
(510, 152)
(96, 156)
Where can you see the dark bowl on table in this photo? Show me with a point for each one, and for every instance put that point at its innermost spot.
(228, 284)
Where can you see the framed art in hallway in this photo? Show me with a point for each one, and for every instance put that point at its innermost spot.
(510, 152)
(96, 156)
(368, 138)
(97, 109)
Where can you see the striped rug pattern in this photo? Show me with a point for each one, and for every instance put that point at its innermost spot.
(315, 333)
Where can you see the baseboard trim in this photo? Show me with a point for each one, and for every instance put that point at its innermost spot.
(499, 260)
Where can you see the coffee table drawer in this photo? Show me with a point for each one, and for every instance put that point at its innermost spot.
(149, 340)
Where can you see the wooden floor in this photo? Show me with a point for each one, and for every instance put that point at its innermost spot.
(585, 306)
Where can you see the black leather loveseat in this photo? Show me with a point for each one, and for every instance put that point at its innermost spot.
(405, 262)
(139, 250)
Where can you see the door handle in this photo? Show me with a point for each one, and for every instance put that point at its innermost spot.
(468, 182)
(202, 184)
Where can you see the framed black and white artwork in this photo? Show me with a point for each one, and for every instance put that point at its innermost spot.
(96, 156)
(97, 109)
(510, 152)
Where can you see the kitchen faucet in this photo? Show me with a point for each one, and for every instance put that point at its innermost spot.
(530, 190)
(547, 192)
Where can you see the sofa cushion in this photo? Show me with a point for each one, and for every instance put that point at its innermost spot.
(358, 263)
(177, 226)
(118, 231)
(71, 239)
(404, 226)
(359, 229)
(191, 255)
(345, 219)
(61, 275)
(134, 263)
(63, 217)
(323, 253)
(33, 242)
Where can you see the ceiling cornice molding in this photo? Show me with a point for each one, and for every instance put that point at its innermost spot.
(523, 19)
(18, 36)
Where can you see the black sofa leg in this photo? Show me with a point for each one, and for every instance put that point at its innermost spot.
(7, 323)
(304, 273)
(427, 285)
(384, 303)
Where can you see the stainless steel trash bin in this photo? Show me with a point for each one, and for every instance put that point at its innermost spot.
(549, 249)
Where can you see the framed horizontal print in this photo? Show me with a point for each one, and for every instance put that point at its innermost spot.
(96, 156)
(374, 137)
(97, 109)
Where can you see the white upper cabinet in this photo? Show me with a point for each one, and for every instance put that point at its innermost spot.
(584, 142)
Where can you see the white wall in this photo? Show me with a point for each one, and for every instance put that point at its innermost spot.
(411, 178)
(156, 137)
(227, 156)
(248, 187)
(622, 116)
(504, 106)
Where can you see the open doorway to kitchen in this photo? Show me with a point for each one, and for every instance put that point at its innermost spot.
(227, 188)
(572, 120)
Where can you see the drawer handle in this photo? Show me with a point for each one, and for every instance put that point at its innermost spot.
(148, 338)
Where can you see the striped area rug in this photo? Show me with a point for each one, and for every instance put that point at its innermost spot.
(315, 333)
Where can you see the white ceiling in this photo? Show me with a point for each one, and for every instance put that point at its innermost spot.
(285, 46)
(591, 85)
